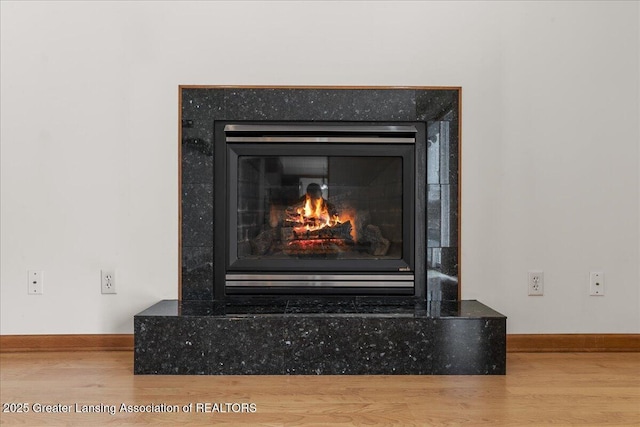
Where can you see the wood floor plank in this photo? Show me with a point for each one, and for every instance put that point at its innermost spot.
(583, 389)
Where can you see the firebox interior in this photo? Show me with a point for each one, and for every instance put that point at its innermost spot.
(327, 207)
(318, 207)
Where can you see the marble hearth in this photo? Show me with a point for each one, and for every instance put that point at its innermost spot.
(314, 336)
(209, 331)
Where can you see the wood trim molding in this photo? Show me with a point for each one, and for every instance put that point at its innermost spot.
(459, 201)
(27, 343)
(559, 343)
(516, 343)
(347, 87)
(179, 193)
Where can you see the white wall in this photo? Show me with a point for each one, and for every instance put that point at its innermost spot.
(89, 111)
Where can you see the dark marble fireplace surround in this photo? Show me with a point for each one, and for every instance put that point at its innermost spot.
(209, 333)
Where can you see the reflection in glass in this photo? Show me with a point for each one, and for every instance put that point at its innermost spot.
(343, 207)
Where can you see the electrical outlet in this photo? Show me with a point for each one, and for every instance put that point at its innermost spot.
(35, 282)
(596, 283)
(536, 283)
(108, 281)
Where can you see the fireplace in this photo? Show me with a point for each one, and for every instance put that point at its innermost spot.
(284, 139)
(319, 208)
(319, 235)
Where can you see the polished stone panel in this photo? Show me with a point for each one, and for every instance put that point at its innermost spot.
(197, 161)
(320, 104)
(201, 107)
(171, 345)
(338, 335)
(436, 104)
(197, 215)
(442, 216)
(197, 273)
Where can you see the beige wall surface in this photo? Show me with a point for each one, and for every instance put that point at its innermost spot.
(89, 141)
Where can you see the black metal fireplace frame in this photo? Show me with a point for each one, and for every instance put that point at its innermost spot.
(406, 275)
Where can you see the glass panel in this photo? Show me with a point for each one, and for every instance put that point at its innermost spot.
(337, 207)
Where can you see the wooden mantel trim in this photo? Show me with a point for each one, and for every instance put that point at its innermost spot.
(516, 343)
(328, 87)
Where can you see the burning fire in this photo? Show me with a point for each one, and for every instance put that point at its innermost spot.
(314, 216)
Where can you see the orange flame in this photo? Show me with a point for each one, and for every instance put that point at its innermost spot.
(315, 216)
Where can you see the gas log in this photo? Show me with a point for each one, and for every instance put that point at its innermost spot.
(262, 243)
(338, 231)
(379, 245)
(329, 239)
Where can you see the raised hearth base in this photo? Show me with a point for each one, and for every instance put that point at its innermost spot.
(351, 335)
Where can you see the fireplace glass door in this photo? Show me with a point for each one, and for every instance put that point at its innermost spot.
(318, 213)
(319, 208)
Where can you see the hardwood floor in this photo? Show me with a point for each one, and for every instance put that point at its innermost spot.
(539, 389)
